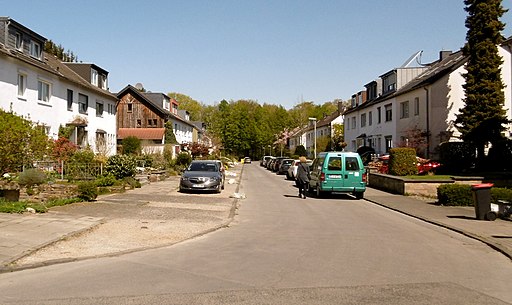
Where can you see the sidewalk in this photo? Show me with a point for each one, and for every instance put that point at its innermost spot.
(497, 234)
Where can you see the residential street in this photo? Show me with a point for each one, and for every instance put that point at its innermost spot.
(284, 250)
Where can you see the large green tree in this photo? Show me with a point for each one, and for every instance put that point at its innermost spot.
(22, 142)
(483, 118)
(185, 102)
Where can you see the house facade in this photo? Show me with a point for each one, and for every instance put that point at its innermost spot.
(420, 111)
(38, 86)
(145, 115)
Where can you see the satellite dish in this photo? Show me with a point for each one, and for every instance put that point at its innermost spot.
(139, 86)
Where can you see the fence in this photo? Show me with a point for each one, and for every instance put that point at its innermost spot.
(71, 170)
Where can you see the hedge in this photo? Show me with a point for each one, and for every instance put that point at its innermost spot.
(403, 161)
(462, 195)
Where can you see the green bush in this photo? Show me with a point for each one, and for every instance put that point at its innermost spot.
(121, 166)
(455, 195)
(31, 176)
(131, 145)
(82, 156)
(501, 193)
(456, 156)
(402, 161)
(132, 182)
(87, 191)
(183, 159)
(107, 180)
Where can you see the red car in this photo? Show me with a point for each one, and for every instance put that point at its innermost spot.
(424, 165)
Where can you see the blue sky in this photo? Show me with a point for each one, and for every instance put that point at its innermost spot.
(275, 52)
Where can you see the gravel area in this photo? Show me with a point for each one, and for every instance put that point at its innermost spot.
(152, 216)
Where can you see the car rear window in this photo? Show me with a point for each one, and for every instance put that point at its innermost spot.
(351, 164)
(334, 164)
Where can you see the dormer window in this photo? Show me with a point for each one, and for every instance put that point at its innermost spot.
(94, 77)
(19, 41)
(102, 81)
(35, 49)
(389, 83)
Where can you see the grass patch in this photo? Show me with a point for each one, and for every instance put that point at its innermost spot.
(21, 206)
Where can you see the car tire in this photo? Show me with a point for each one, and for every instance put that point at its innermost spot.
(359, 195)
(318, 193)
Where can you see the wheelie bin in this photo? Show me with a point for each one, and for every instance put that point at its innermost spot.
(482, 200)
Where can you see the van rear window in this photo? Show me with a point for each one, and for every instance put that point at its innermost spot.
(351, 164)
(334, 164)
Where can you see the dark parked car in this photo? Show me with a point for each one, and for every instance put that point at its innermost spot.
(277, 163)
(202, 176)
(285, 165)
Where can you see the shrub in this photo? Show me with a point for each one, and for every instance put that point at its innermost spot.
(31, 176)
(132, 182)
(87, 191)
(502, 151)
(107, 180)
(455, 194)
(82, 156)
(500, 193)
(183, 159)
(121, 166)
(456, 156)
(402, 161)
(131, 145)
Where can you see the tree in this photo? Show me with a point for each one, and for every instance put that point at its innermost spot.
(59, 52)
(185, 102)
(338, 137)
(300, 151)
(483, 117)
(22, 142)
(131, 145)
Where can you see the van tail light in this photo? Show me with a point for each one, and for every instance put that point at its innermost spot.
(322, 176)
(365, 177)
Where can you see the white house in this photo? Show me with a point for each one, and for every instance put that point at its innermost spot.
(424, 106)
(38, 86)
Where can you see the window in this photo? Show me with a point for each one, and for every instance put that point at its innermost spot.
(35, 49)
(22, 85)
(389, 143)
(351, 164)
(139, 123)
(130, 107)
(43, 91)
(363, 120)
(19, 41)
(379, 116)
(94, 77)
(354, 124)
(99, 109)
(370, 118)
(150, 122)
(334, 164)
(389, 112)
(404, 110)
(102, 82)
(70, 99)
(155, 122)
(416, 106)
(83, 103)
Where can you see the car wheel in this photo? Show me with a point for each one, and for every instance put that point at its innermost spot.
(359, 195)
(318, 193)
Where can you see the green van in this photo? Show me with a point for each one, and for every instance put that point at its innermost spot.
(338, 172)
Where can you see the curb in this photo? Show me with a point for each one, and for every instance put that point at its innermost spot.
(485, 240)
(6, 268)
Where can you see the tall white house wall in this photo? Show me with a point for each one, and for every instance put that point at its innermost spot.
(54, 113)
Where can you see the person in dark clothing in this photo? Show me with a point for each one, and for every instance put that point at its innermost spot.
(302, 177)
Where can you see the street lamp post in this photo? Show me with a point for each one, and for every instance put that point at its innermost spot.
(314, 124)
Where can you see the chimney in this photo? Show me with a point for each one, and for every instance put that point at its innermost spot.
(444, 54)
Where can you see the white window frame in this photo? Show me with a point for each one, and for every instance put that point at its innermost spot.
(388, 111)
(22, 85)
(416, 106)
(35, 49)
(44, 91)
(18, 43)
(100, 108)
(94, 77)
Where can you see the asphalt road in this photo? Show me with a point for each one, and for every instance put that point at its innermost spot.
(284, 250)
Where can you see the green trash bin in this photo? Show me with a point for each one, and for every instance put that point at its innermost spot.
(482, 201)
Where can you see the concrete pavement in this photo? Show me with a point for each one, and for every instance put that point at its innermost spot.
(20, 234)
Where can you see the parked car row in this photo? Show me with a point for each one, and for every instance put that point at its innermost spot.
(340, 172)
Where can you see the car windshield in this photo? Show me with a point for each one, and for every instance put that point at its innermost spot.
(203, 167)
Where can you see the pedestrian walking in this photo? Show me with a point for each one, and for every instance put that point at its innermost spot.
(303, 175)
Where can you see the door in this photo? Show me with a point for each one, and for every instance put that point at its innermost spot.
(353, 173)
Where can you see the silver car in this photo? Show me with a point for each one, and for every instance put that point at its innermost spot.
(202, 176)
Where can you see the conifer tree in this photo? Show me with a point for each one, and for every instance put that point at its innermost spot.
(483, 118)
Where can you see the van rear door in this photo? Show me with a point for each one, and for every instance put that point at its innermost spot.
(353, 172)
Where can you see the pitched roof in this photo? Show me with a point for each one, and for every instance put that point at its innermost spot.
(147, 98)
(141, 133)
